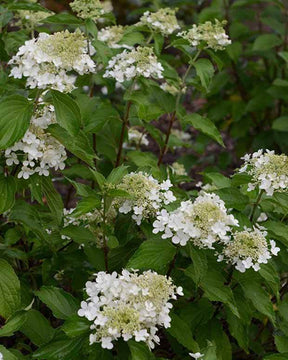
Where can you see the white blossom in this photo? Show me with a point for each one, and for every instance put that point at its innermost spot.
(204, 222)
(148, 195)
(163, 21)
(196, 355)
(269, 171)
(47, 61)
(136, 137)
(138, 62)
(112, 35)
(128, 305)
(207, 35)
(248, 249)
(90, 9)
(38, 151)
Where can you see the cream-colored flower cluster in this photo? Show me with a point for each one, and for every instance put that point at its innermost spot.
(203, 222)
(269, 171)
(112, 35)
(49, 60)
(248, 248)
(207, 35)
(148, 195)
(30, 19)
(38, 151)
(89, 9)
(128, 305)
(138, 62)
(163, 21)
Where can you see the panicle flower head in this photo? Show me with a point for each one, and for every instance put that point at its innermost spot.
(203, 222)
(163, 21)
(207, 35)
(269, 171)
(178, 169)
(28, 19)
(128, 305)
(148, 195)
(138, 62)
(249, 248)
(112, 35)
(136, 137)
(172, 89)
(89, 9)
(37, 151)
(47, 61)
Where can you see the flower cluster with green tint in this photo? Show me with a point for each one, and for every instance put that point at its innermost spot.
(88, 9)
(128, 305)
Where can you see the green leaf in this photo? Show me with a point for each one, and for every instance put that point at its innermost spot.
(117, 174)
(14, 324)
(182, 333)
(59, 301)
(67, 112)
(200, 263)
(79, 234)
(60, 349)
(153, 254)
(205, 71)
(7, 193)
(238, 330)
(233, 198)
(266, 42)
(7, 355)
(276, 357)
(78, 145)
(15, 114)
(280, 124)
(26, 6)
(76, 326)
(9, 290)
(139, 351)
(278, 230)
(54, 200)
(281, 343)
(62, 18)
(254, 291)
(37, 328)
(204, 125)
(218, 179)
(87, 204)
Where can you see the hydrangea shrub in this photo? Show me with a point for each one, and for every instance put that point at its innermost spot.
(125, 232)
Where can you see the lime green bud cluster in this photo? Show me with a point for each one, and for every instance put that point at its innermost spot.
(88, 9)
(30, 19)
(164, 21)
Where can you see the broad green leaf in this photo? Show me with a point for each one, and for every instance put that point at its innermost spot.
(14, 324)
(67, 112)
(200, 263)
(218, 179)
(59, 349)
(78, 145)
(238, 330)
(280, 124)
(278, 230)
(15, 114)
(9, 290)
(204, 125)
(76, 326)
(281, 343)
(117, 174)
(182, 333)
(233, 198)
(205, 71)
(87, 204)
(26, 6)
(54, 200)
(7, 355)
(7, 193)
(153, 254)
(284, 55)
(283, 356)
(266, 42)
(139, 351)
(78, 234)
(59, 301)
(37, 328)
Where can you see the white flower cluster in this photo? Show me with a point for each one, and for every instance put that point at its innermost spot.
(112, 35)
(136, 137)
(138, 62)
(207, 35)
(1, 356)
(178, 169)
(30, 19)
(164, 21)
(249, 248)
(203, 222)
(90, 9)
(269, 171)
(129, 305)
(37, 151)
(148, 196)
(172, 89)
(47, 61)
